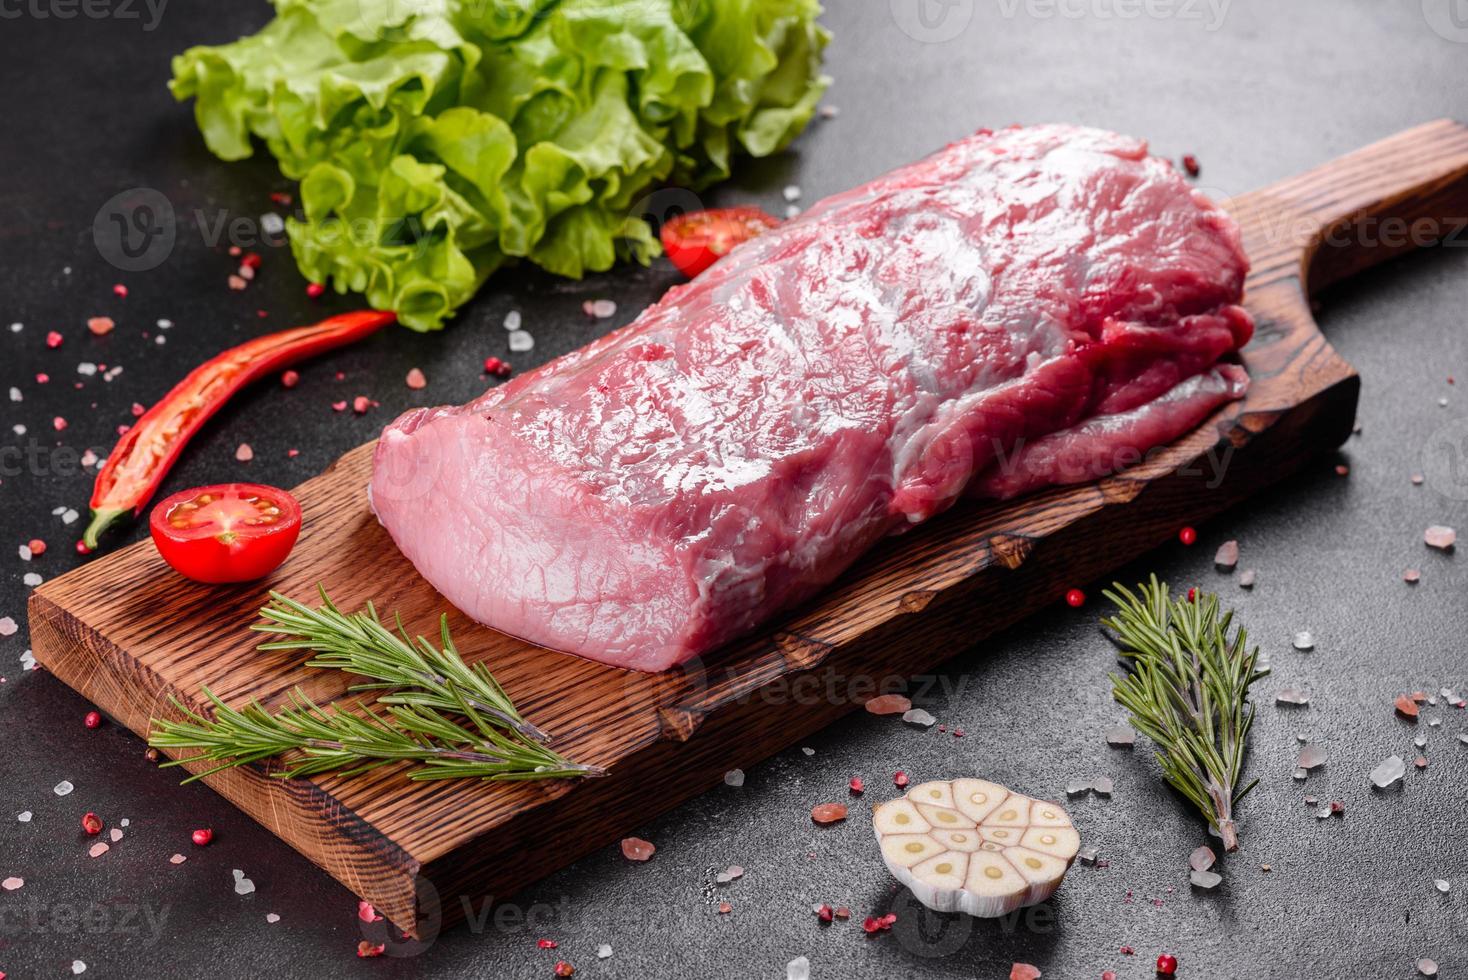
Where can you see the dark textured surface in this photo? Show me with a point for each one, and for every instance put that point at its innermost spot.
(1275, 89)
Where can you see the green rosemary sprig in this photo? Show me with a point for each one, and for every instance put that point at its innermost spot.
(417, 673)
(1188, 691)
(457, 724)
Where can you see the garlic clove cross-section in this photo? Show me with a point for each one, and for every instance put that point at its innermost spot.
(977, 798)
(973, 846)
(899, 817)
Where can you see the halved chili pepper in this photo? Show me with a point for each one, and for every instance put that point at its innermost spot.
(142, 457)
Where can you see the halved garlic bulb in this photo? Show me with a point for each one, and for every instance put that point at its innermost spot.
(971, 845)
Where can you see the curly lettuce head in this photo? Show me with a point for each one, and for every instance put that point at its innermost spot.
(436, 139)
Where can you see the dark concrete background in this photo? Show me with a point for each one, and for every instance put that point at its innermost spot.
(1265, 91)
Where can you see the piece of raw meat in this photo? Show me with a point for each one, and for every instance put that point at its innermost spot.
(1022, 308)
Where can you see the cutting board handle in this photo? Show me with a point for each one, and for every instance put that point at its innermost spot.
(1406, 192)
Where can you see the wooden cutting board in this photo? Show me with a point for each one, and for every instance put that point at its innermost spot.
(127, 633)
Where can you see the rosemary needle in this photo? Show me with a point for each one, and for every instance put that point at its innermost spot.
(417, 673)
(447, 719)
(1188, 691)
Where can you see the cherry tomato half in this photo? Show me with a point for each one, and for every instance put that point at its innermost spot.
(697, 240)
(230, 532)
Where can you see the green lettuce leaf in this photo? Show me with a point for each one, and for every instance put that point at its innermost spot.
(436, 140)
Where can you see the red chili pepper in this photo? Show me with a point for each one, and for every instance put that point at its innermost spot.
(143, 456)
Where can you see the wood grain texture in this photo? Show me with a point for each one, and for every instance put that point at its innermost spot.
(127, 633)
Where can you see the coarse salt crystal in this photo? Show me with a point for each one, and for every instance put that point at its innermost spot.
(791, 192)
(1388, 772)
(7, 625)
(11, 884)
(734, 777)
(86, 369)
(69, 516)
(165, 324)
(272, 223)
(637, 849)
(177, 859)
(1121, 736)
(271, 918)
(917, 716)
(603, 951)
(512, 320)
(98, 849)
(1311, 757)
(1440, 536)
(520, 341)
(798, 969)
(78, 967)
(15, 394)
(62, 788)
(244, 453)
(24, 816)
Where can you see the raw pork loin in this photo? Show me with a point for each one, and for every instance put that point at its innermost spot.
(1024, 308)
